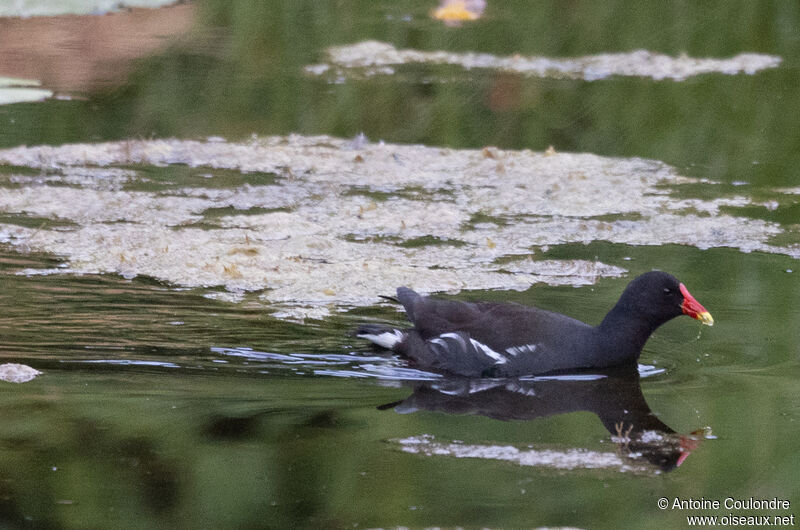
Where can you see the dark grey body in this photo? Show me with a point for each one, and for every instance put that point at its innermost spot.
(487, 339)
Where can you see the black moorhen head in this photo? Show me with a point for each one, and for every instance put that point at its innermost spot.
(489, 339)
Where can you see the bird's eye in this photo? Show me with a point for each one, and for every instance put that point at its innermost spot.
(667, 291)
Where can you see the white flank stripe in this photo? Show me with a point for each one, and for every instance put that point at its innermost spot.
(499, 359)
(525, 348)
(439, 341)
(387, 339)
(457, 337)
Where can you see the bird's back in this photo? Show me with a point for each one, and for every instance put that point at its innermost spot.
(514, 339)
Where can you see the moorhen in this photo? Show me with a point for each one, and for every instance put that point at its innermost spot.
(491, 339)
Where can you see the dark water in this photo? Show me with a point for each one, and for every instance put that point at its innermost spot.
(159, 406)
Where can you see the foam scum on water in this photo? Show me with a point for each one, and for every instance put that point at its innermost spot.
(318, 224)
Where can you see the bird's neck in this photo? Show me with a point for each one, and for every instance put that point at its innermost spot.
(623, 333)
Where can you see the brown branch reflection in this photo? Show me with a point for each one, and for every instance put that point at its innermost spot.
(85, 53)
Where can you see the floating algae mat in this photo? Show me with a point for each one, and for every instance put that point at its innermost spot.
(373, 57)
(560, 459)
(321, 224)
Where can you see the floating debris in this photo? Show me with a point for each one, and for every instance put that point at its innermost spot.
(17, 373)
(454, 12)
(374, 57)
(564, 459)
(567, 272)
(326, 233)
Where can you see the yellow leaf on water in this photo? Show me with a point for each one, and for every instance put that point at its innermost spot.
(459, 10)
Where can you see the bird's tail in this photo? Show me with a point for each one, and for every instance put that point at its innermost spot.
(382, 335)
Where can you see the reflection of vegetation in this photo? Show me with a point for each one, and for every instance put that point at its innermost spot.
(242, 74)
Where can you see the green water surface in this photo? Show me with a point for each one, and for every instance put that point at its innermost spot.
(142, 420)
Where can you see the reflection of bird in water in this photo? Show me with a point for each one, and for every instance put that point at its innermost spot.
(615, 396)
